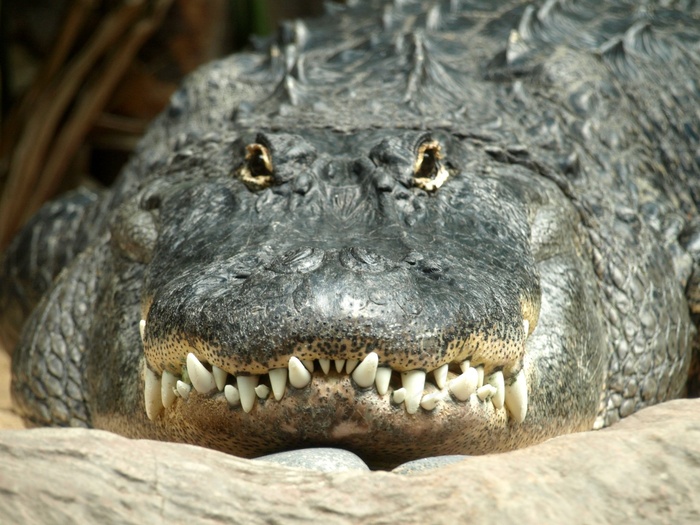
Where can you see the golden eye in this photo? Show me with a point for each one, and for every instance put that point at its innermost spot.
(428, 172)
(257, 171)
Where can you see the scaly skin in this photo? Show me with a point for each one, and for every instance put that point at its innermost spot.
(513, 188)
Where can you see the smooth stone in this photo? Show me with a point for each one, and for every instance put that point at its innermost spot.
(318, 459)
(425, 464)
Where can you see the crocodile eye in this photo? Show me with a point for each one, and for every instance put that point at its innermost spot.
(256, 172)
(428, 172)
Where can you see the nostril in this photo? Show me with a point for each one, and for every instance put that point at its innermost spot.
(431, 266)
(300, 260)
(362, 259)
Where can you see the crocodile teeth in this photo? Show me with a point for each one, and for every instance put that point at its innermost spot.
(220, 377)
(183, 389)
(278, 381)
(496, 381)
(167, 389)
(350, 365)
(232, 395)
(382, 380)
(516, 397)
(464, 385)
(299, 376)
(246, 389)
(202, 379)
(309, 365)
(430, 401)
(413, 382)
(398, 396)
(485, 392)
(526, 327)
(325, 365)
(142, 328)
(151, 394)
(464, 365)
(480, 371)
(441, 376)
(339, 364)
(262, 391)
(366, 372)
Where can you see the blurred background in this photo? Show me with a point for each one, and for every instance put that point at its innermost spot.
(81, 79)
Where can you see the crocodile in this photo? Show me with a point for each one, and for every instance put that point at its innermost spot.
(404, 229)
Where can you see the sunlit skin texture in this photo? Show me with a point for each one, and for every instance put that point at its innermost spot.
(432, 190)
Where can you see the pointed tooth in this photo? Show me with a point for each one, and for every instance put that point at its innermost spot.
(202, 379)
(516, 397)
(278, 380)
(220, 377)
(232, 395)
(151, 394)
(398, 396)
(485, 392)
(496, 381)
(480, 371)
(382, 380)
(366, 372)
(464, 385)
(183, 389)
(262, 391)
(142, 328)
(413, 382)
(339, 364)
(350, 365)
(325, 365)
(526, 327)
(309, 365)
(299, 376)
(246, 389)
(464, 365)
(430, 401)
(441, 376)
(167, 388)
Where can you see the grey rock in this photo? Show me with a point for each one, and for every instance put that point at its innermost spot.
(424, 464)
(644, 470)
(319, 459)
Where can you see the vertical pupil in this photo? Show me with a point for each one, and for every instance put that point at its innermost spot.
(257, 164)
(428, 165)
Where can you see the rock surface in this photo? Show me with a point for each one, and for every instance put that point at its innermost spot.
(645, 469)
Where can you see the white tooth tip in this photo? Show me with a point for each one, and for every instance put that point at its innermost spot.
(480, 372)
(339, 365)
(486, 392)
(398, 396)
(167, 389)
(202, 379)
(220, 377)
(299, 376)
(496, 381)
(366, 372)
(429, 401)
(350, 365)
(464, 365)
(278, 381)
(183, 389)
(246, 389)
(413, 382)
(262, 391)
(516, 397)
(383, 379)
(464, 385)
(526, 327)
(232, 395)
(142, 328)
(325, 365)
(151, 394)
(440, 375)
(309, 365)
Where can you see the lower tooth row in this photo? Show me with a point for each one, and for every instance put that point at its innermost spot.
(161, 392)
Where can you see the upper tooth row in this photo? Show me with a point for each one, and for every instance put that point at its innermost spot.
(161, 392)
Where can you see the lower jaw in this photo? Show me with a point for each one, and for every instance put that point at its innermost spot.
(332, 411)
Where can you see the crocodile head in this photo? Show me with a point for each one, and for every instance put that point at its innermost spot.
(393, 292)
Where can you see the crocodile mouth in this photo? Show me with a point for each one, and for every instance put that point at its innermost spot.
(498, 389)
